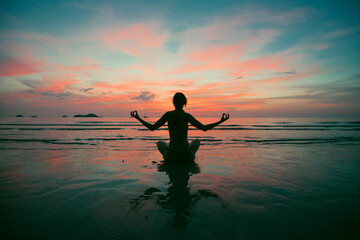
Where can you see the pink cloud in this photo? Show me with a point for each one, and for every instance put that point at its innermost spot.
(283, 78)
(79, 68)
(56, 83)
(273, 62)
(20, 66)
(218, 53)
(143, 85)
(135, 39)
(228, 57)
(234, 68)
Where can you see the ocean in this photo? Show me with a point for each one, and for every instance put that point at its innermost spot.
(253, 178)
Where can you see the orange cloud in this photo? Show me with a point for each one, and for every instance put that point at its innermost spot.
(225, 58)
(20, 66)
(56, 83)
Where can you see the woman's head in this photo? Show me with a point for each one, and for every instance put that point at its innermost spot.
(179, 100)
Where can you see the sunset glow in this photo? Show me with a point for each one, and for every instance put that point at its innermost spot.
(111, 57)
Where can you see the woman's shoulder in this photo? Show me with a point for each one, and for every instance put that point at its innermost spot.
(169, 113)
(176, 112)
(187, 114)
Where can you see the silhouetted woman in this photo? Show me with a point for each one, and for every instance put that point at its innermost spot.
(179, 148)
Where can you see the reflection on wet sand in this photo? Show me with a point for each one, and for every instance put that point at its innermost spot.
(178, 199)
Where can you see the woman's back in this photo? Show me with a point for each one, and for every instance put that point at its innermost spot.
(178, 126)
(178, 149)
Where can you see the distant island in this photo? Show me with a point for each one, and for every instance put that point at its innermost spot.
(87, 115)
(64, 116)
(19, 115)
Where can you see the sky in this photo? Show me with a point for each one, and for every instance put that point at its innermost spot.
(247, 58)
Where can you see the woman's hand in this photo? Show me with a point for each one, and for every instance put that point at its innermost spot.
(225, 116)
(134, 114)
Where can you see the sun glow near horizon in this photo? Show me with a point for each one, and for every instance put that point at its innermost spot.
(250, 60)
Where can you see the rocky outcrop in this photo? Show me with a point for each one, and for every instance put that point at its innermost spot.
(87, 115)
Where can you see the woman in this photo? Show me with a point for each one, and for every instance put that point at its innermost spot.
(179, 148)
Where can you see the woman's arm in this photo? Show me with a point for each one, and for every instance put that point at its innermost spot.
(150, 126)
(200, 126)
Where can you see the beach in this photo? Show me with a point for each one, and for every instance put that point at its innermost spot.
(253, 178)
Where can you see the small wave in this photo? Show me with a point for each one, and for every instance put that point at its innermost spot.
(302, 141)
(200, 137)
(89, 141)
(37, 149)
(266, 125)
(325, 126)
(299, 127)
(67, 124)
(211, 140)
(52, 141)
(123, 138)
(67, 129)
(122, 122)
(354, 122)
(286, 129)
(306, 126)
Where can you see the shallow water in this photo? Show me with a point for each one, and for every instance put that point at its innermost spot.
(103, 178)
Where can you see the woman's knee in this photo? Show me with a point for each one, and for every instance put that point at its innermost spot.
(194, 145)
(162, 146)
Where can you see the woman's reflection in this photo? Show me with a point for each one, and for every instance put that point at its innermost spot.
(178, 198)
